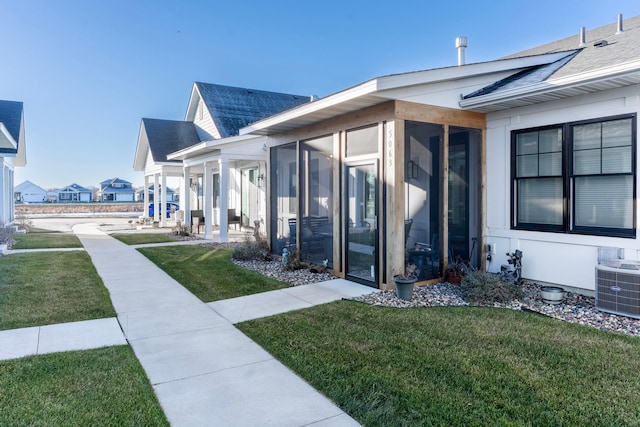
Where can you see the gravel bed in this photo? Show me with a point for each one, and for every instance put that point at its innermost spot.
(575, 308)
(274, 269)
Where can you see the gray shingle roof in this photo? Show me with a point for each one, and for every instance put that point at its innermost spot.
(168, 136)
(619, 48)
(114, 181)
(11, 117)
(233, 108)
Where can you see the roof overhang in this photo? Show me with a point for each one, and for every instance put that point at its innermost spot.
(606, 78)
(371, 92)
(6, 140)
(211, 146)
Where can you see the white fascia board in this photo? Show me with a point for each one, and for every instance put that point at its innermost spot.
(6, 140)
(186, 152)
(192, 106)
(142, 149)
(365, 88)
(551, 85)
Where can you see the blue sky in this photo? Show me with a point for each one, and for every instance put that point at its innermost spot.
(88, 71)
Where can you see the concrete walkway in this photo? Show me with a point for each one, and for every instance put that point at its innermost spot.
(83, 335)
(204, 370)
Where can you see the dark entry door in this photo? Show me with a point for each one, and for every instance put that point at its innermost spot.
(361, 222)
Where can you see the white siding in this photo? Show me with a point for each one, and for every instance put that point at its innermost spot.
(204, 123)
(564, 259)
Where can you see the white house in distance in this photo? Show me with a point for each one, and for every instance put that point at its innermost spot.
(535, 152)
(28, 192)
(74, 193)
(12, 154)
(116, 190)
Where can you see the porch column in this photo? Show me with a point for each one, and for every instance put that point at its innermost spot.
(156, 202)
(186, 195)
(163, 200)
(207, 209)
(12, 199)
(3, 204)
(145, 195)
(224, 199)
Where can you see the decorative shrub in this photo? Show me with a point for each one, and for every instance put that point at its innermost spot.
(251, 250)
(293, 261)
(182, 230)
(479, 287)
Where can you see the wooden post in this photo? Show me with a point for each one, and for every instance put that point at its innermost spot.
(444, 199)
(393, 173)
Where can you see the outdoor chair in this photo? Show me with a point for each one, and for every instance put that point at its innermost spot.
(197, 219)
(233, 218)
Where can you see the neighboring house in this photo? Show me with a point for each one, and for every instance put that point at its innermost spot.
(116, 190)
(28, 192)
(170, 194)
(12, 155)
(75, 193)
(536, 151)
(52, 196)
(214, 112)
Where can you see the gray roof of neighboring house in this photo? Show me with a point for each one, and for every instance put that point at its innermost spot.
(75, 187)
(233, 108)
(619, 48)
(11, 117)
(168, 136)
(114, 181)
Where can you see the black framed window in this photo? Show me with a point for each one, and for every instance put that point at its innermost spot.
(576, 177)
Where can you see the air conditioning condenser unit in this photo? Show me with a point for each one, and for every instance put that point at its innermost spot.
(618, 287)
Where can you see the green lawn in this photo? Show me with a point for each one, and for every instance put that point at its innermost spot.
(142, 238)
(44, 288)
(103, 387)
(458, 366)
(45, 240)
(208, 272)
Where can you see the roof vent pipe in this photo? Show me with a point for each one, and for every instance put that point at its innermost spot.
(583, 38)
(461, 45)
(620, 30)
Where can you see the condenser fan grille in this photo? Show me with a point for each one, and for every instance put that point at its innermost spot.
(618, 289)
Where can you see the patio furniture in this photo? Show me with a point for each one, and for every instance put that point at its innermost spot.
(233, 218)
(197, 219)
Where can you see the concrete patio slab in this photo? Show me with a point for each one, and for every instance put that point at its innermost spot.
(172, 320)
(17, 343)
(259, 394)
(249, 307)
(187, 354)
(80, 335)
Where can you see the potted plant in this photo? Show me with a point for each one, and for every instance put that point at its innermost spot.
(456, 268)
(404, 282)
